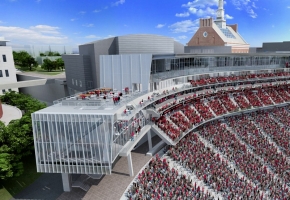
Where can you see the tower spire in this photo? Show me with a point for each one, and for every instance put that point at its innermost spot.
(220, 13)
(221, 4)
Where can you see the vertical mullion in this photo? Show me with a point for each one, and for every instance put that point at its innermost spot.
(57, 136)
(98, 146)
(82, 143)
(50, 141)
(90, 144)
(66, 141)
(42, 144)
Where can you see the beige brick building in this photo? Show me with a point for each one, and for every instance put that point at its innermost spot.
(218, 33)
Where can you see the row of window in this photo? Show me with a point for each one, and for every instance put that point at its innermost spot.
(76, 83)
(4, 91)
(6, 73)
(89, 84)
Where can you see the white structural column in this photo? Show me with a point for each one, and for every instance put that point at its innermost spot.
(66, 182)
(130, 164)
(149, 140)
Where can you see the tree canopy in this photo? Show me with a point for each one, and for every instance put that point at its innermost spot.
(16, 139)
(50, 65)
(50, 53)
(24, 60)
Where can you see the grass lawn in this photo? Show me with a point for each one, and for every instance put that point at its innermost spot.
(39, 70)
(13, 186)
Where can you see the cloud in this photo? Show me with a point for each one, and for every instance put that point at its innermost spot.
(247, 5)
(96, 11)
(45, 29)
(184, 14)
(202, 8)
(185, 26)
(252, 13)
(39, 34)
(201, 3)
(120, 2)
(82, 12)
(109, 36)
(207, 8)
(92, 37)
(88, 25)
(182, 37)
(202, 12)
(73, 19)
(37, 1)
(228, 16)
(160, 26)
(288, 7)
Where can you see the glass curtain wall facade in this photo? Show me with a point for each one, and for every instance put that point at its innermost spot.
(169, 64)
(73, 143)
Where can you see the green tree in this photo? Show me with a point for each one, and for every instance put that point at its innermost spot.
(10, 164)
(16, 139)
(59, 63)
(24, 60)
(48, 65)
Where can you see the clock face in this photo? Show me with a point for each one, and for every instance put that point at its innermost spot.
(205, 34)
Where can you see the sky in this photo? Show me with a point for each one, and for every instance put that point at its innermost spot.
(75, 22)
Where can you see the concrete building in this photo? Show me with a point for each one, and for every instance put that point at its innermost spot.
(272, 47)
(215, 36)
(87, 69)
(7, 69)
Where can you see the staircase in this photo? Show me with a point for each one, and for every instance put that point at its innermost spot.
(153, 112)
(162, 135)
(78, 184)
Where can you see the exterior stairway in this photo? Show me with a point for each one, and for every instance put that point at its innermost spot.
(78, 184)
(153, 112)
(162, 135)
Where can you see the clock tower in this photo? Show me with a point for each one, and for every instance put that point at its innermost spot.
(220, 15)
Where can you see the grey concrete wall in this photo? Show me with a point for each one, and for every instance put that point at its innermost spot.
(88, 49)
(253, 49)
(101, 47)
(207, 49)
(178, 48)
(275, 46)
(120, 71)
(78, 72)
(55, 89)
(144, 43)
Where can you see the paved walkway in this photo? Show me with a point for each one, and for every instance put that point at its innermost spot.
(10, 113)
(35, 74)
(112, 187)
(109, 187)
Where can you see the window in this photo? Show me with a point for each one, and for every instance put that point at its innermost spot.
(4, 58)
(90, 84)
(81, 84)
(72, 81)
(3, 91)
(9, 90)
(1, 75)
(6, 73)
(76, 82)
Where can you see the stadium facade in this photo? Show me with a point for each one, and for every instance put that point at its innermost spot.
(114, 86)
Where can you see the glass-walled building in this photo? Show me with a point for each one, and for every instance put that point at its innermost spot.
(170, 66)
(78, 143)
